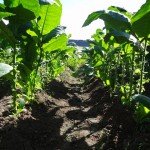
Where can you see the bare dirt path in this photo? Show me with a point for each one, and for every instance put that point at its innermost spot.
(69, 115)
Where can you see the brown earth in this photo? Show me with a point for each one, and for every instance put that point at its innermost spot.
(71, 115)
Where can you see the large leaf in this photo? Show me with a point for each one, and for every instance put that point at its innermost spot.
(54, 33)
(141, 20)
(50, 15)
(56, 43)
(25, 10)
(117, 9)
(93, 16)
(4, 69)
(111, 19)
(120, 10)
(121, 36)
(144, 100)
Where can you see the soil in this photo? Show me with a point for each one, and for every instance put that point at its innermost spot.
(71, 114)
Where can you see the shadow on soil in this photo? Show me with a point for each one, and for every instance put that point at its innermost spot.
(107, 125)
(39, 132)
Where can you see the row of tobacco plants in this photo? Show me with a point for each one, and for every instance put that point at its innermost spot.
(34, 47)
(119, 55)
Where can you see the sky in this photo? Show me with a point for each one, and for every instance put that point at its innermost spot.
(75, 13)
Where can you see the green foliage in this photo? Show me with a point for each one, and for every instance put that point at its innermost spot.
(142, 99)
(141, 21)
(49, 17)
(37, 45)
(117, 53)
(112, 19)
(142, 108)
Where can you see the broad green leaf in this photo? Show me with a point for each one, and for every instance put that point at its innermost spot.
(7, 33)
(32, 33)
(25, 10)
(55, 32)
(4, 69)
(144, 100)
(56, 43)
(111, 19)
(50, 15)
(120, 10)
(92, 17)
(120, 36)
(117, 9)
(141, 20)
(116, 20)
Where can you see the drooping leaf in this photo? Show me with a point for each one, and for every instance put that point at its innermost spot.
(120, 10)
(111, 19)
(4, 69)
(120, 36)
(50, 15)
(141, 20)
(144, 100)
(54, 33)
(116, 20)
(56, 43)
(92, 17)
(117, 9)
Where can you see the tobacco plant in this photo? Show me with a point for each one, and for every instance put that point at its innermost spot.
(117, 52)
(36, 39)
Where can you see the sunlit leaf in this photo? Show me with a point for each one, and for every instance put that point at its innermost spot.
(56, 43)
(54, 33)
(50, 15)
(141, 20)
(4, 69)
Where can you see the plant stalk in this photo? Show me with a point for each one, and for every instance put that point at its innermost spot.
(142, 66)
(14, 86)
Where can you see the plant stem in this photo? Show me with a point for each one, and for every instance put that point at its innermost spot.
(142, 66)
(36, 72)
(14, 89)
(131, 74)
